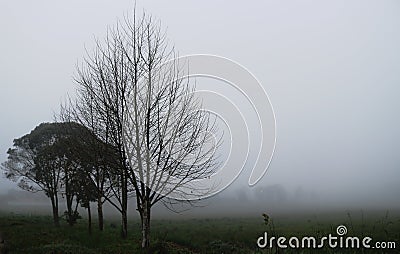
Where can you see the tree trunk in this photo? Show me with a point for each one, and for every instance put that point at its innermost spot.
(124, 213)
(100, 213)
(69, 197)
(69, 211)
(56, 219)
(145, 217)
(89, 219)
(54, 205)
(124, 230)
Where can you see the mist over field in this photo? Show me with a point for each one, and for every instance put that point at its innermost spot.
(274, 200)
(331, 71)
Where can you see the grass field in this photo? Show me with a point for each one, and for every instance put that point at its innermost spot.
(36, 234)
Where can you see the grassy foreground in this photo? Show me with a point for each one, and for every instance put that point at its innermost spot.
(36, 234)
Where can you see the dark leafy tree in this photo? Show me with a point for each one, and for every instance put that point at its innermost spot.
(96, 152)
(87, 193)
(31, 163)
(54, 158)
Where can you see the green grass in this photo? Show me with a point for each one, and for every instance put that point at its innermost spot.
(36, 234)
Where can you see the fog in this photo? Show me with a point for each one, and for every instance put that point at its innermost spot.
(331, 71)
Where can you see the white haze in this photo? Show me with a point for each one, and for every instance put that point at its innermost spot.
(331, 69)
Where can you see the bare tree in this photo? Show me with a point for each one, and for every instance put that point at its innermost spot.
(146, 108)
(104, 85)
(169, 139)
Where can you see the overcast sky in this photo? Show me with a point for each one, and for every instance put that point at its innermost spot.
(330, 68)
